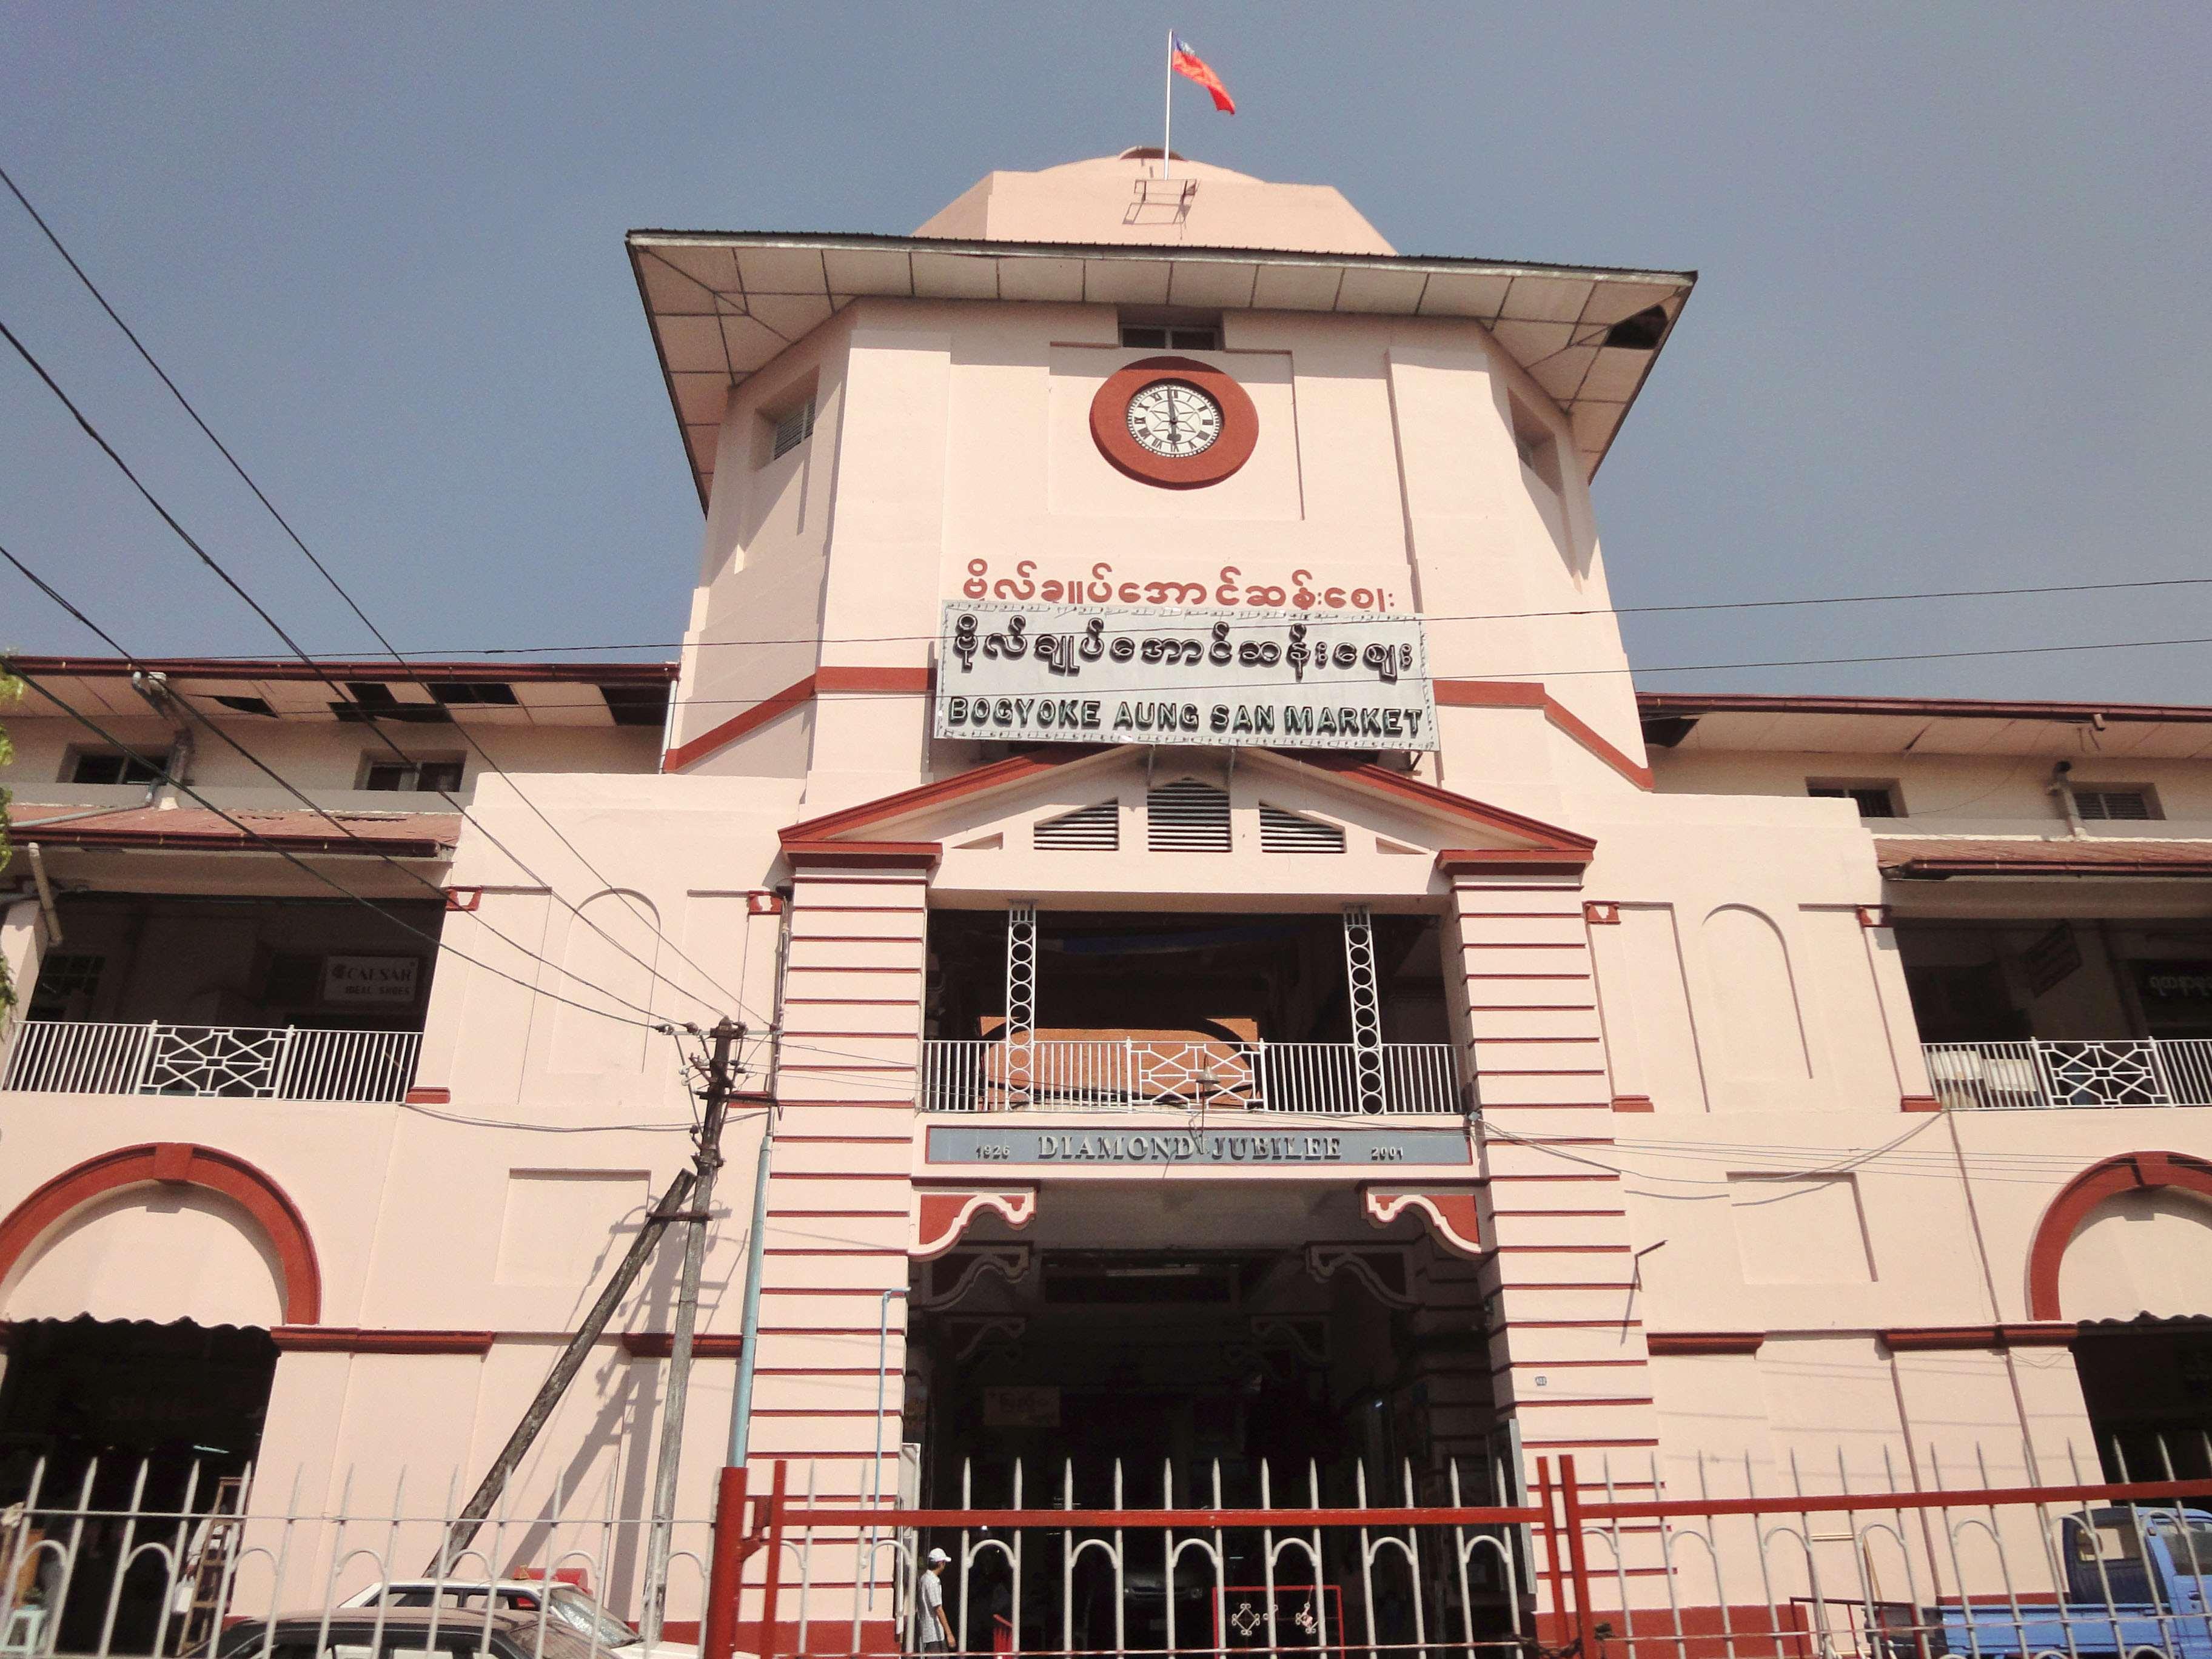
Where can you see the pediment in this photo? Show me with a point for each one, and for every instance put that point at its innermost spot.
(1087, 805)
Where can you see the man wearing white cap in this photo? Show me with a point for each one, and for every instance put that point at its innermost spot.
(936, 1629)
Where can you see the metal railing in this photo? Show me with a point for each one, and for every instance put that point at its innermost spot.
(155, 1558)
(1107, 1074)
(2045, 1072)
(90, 1057)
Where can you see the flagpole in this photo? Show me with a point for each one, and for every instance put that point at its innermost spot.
(1167, 127)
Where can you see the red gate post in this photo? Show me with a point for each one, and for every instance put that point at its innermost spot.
(1577, 1560)
(775, 1502)
(718, 1636)
(1554, 1561)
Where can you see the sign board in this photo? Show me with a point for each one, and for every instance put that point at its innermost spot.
(1021, 1408)
(381, 982)
(1083, 673)
(1264, 1145)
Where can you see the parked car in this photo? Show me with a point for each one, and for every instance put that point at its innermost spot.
(561, 1601)
(403, 1633)
(2136, 1578)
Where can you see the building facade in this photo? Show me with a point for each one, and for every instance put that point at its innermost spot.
(1246, 983)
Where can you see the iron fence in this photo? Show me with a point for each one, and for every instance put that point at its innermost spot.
(1664, 1561)
(1136, 1074)
(152, 1559)
(82, 1057)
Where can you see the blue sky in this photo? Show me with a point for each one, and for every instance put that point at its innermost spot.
(1943, 336)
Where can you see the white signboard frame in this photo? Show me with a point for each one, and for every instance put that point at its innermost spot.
(1020, 672)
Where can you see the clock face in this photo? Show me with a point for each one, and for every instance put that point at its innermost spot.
(1174, 419)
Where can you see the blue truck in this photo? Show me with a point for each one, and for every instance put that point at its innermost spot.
(2136, 1582)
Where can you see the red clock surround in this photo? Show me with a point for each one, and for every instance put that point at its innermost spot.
(1110, 425)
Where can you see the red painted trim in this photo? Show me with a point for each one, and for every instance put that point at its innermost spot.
(1918, 1103)
(2128, 1172)
(455, 901)
(1632, 1103)
(263, 836)
(1769, 703)
(352, 1339)
(861, 855)
(1601, 914)
(1920, 1337)
(1109, 424)
(1012, 769)
(908, 681)
(778, 702)
(1520, 694)
(268, 668)
(187, 1164)
(429, 1097)
(660, 1345)
(1873, 915)
(1547, 838)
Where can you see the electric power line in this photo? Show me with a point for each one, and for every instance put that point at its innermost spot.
(367, 844)
(321, 569)
(1323, 618)
(339, 694)
(160, 769)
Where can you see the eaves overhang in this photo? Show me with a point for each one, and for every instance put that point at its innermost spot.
(722, 305)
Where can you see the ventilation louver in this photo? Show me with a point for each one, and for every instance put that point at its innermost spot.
(1289, 832)
(2107, 805)
(1188, 817)
(1087, 829)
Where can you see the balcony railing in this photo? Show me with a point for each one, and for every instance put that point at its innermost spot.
(1112, 1074)
(86, 1057)
(2041, 1071)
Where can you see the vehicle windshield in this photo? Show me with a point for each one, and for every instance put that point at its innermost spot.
(2188, 1544)
(595, 1623)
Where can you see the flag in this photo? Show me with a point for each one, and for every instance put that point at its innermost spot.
(1185, 62)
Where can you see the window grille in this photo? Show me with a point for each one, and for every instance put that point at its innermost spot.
(2134, 806)
(793, 429)
(1087, 829)
(62, 975)
(1289, 832)
(1187, 816)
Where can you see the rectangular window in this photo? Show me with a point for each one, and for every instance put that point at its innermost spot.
(412, 776)
(793, 427)
(1171, 337)
(114, 766)
(1874, 800)
(2131, 803)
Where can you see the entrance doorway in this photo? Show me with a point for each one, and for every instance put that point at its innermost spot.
(1283, 1353)
(2147, 1384)
(179, 1405)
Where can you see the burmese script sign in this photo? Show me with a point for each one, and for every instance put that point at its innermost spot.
(1079, 673)
(1259, 1145)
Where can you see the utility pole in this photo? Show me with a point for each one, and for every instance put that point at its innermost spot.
(725, 1035)
(570, 1360)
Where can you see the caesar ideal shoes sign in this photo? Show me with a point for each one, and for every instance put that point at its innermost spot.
(1079, 673)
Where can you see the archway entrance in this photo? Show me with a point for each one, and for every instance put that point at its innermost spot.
(140, 1290)
(2125, 1251)
(2147, 1384)
(117, 1402)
